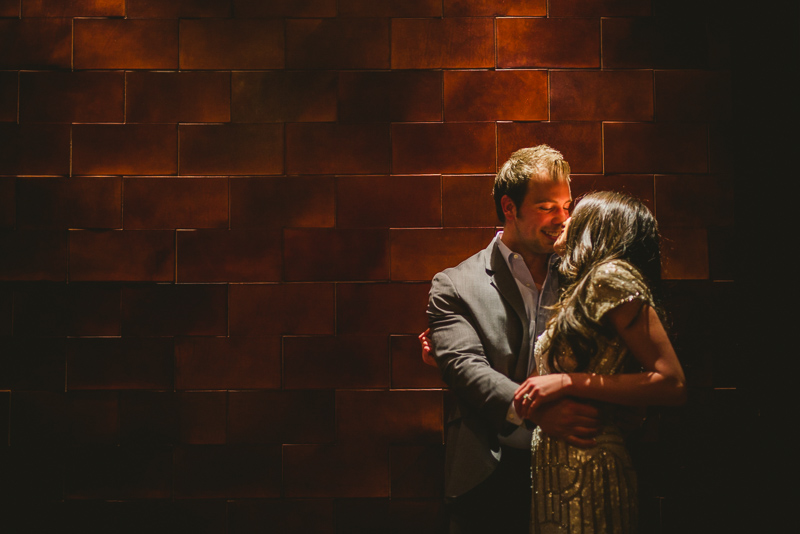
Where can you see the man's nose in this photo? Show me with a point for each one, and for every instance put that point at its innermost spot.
(562, 214)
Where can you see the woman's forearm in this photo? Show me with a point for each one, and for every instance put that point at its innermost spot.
(637, 389)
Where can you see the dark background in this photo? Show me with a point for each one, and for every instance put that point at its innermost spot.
(219, 219)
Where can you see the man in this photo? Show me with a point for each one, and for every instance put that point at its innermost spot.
(484, 316)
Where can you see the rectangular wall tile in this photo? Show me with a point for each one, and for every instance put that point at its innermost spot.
(156, 203)
(124, 149)
(641, 186)
(272, 416)
(655, 42)
(275, 202)
(443, 148)
(390, 96)
(36, 43)
(468, 201)
(10, 8)
(328, 254)
(336, 362)
(279, 96)
(9, 82)
(228, 363)
(172, 310)
(599, 8)
(61, 203)
(490, 8)
(34, 148)
(420, 254)
(337, 43)
(136, 255)
(448, 43)
(8, 202)
(6, 309)
(71, 97)
(117, 363)
(285, 8)
(222, 149)
(390, 8)
(267, 309)
(389, 416)
(227, 472)
(337, 148)
(174, 9)
(284, 515)
(579, 142)
(395, 201)
(32, 363)
(685, 253)
(417, 471)
(336, 470)
(495, 95)
(164, 417)
(178, 97)
(73, 8)
(408, 369)
(695, 201)
(33, 255)
(601, 95)
(548, 42)
(693, 95)
(125, 44)
(246, 255)
(648, 147)
(74, 309)
(111, 472)
(381, 308)
(231, 44)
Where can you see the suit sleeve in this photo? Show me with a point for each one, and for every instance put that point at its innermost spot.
(461, 357)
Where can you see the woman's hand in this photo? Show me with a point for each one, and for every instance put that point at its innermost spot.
(427, 348)
(538, 390)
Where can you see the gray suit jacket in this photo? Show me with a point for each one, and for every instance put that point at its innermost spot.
(479, 330)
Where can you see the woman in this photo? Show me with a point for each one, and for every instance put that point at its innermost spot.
(605, 342)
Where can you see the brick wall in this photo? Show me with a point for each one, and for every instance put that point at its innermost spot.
(219, 219)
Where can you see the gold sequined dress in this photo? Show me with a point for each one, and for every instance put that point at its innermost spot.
(590, 491)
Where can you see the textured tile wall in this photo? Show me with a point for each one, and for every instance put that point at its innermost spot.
(218, 220)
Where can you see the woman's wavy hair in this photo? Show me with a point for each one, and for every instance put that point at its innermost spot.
(605, 226)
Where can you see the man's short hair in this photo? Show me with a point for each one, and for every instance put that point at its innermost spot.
(540, 163)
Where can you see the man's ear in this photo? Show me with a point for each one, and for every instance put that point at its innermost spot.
(509, 208)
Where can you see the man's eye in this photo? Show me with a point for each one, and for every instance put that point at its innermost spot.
(546, 208)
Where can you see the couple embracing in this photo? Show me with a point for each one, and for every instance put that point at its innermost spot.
(544, 351)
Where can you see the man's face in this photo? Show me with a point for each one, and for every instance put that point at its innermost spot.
(540, 219)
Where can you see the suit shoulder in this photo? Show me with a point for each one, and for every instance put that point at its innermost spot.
(467, 267)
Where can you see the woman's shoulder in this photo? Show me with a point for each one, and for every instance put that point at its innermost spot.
(613, 283)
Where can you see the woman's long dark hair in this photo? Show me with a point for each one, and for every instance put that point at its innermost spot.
(605, 226)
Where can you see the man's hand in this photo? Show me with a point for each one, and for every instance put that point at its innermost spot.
(427, 348)
(573, 421)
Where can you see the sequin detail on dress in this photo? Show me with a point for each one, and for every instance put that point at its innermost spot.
(578, 491)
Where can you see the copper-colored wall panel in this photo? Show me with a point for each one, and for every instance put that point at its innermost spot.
(275, 202)
(489, 8)
(231, 44)
(420, 254)
(390, 96)
(337, 43)
(115, 363)
(34, 149)
(228, 363)
(230, 471)
(388, 201)
(73, 8)
(699, 201)
(112, 472)
(448, 43)
(641, 186)
(367, 309)
(691, 95)
(155, 417)
(160, 203)
(337, 148)
(389, 416)
(33, 255)
(548, 42)
(7, 202)
(468, 201)
(174, 310)
(278, 96)
(406, 370)
(336, 470)
(649, 147)
(178, 97)
(220, 149)
(8, 96)
(433, 148)
(172, 9)
(71, 97)
(281, 309)
(9, 8)
(495, 95)
(328, 254)
(684, 253)
(650, 42)
(417, 470)
(351, 362)
(36, 43)
(33, 363)
(124, 149)
(73, 309)
(284, 515)
(135, 255)
(601, 95)
(285, 8)
(76, 202)
(579, 142)
(272, 416)
(125, 44)
(389, 8)
(599, 8)
(245, 255)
